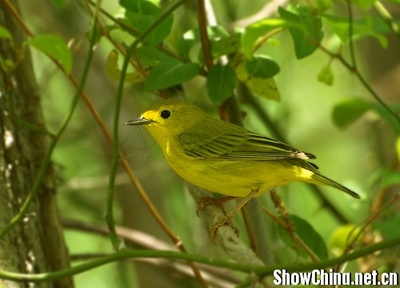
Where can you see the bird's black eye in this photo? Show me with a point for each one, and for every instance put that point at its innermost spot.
(165, 114)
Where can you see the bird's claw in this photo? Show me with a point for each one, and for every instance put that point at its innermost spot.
(204, 202)
(227, 220)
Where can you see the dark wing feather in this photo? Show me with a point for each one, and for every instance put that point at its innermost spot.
(227, 141)
(259, 147)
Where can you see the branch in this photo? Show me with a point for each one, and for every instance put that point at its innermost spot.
(259, 271)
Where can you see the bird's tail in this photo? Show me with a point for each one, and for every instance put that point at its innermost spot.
(320, 179)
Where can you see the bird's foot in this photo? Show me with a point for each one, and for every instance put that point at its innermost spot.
(227, 220)
(204, 202)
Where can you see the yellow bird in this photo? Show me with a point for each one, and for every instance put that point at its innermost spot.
(225, 158)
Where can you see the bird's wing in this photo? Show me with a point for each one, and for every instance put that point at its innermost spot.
(208, 145)
(258, 147)
(235, 143)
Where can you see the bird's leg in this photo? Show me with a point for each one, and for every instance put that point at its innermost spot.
(204, 202)
(227, 220)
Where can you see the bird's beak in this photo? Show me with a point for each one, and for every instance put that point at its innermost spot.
(138, 121)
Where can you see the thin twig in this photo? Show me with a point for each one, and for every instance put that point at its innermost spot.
(205, 41)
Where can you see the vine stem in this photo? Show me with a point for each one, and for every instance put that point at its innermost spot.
(257, 270)
(355, 67)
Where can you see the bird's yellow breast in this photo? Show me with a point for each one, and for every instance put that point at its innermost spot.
(229, 177)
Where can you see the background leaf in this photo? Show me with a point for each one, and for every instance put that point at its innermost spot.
(265, 88)
(142, 14)
(257, 30)
(342, 236)
(390, 228)
(262, 67)
(4, 33)
(221, 82)
(226, 45)
(348, 111)
(305, 30)
(115, 73)
(170, 73)
(362, 28)
(55, 47)
(306, 233)
(326, 75)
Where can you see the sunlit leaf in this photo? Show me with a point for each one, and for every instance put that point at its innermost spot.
(326, 75)
(262, 87)
(398, 148)
(115, 73)
(221, 82)
(323, 5)
(367, 26)
(257, 30)
(262, 67)
(305, 29)
(308, 234)
(365, 4)
(170, 73)
(55, 47)
(4, 33)
(342, 236)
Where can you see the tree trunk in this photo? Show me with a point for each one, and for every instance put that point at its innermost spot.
(36, 244)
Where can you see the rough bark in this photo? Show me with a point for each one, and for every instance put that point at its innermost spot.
(35, 245)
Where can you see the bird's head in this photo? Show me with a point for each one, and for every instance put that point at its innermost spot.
(168, 118)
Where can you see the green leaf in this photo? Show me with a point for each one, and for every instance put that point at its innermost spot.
(215, 33)
(262, 67)
(257, 30)
(305, 29)
(323, 5)
(306, 233)
(367, 26)
(342, 236)
(390, 228)
(221, 81)
(265, 88)
(55, 47)
(348, 111)
(398, 148)
(225, 45)
(115, 73)
(59, 3)
(142, 7)
(4, 33)
(170, 73)
(326, 75)
(389, 178)
(364, 4)
(150, 56)
(143, 16)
